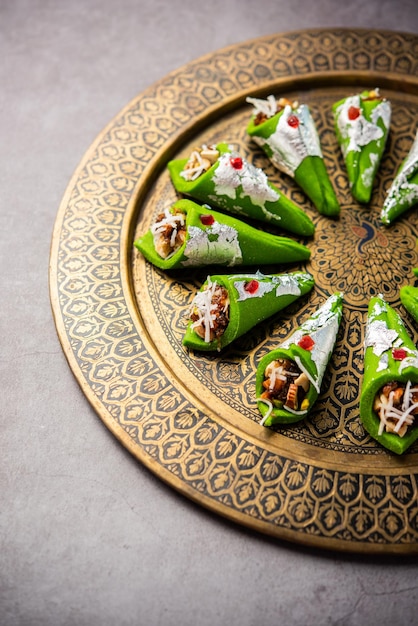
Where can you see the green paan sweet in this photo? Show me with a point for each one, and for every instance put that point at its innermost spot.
(362, 126)
(188, 235)
(403, 193)
(226, 307)
(287, 134)
(289, 378)
(409, 299)
(389, 393)
(219, 176)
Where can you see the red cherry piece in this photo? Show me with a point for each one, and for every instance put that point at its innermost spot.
(207, 220)
(306, 343)
(293, 121)
(353, 113)
(251, 286)
(399, 354)
(236, 163)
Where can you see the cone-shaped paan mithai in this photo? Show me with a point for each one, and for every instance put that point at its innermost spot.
(221, 177)
(289, 377)
(287, 134)
(389, 392)
(409, 298)
(228, 306)
(362, 124)
(403, 193)
(189, 235)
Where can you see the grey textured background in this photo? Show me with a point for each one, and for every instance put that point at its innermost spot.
(87, 535)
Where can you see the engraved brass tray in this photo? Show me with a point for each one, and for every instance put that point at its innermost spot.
(192, 418)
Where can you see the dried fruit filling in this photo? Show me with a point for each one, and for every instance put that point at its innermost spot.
(210, 312)
(286, 385)
(262, 116)
(396, 404)
(169, 232)
(374, 94)
(199, 162)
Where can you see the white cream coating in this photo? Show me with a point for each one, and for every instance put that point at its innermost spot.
(322, 327)
(283, 285)
(251, 179)
(409, 361)
(378, 336)
(360, 132)
(383, 111)
(401, 189)
(381, 338)
(383, 363)
(217, 244)
(368, 173)
(291, 145)
(379, 307)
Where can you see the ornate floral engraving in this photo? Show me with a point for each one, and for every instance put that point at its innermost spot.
(142, 386)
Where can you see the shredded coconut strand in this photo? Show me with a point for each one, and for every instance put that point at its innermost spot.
(269, 411)
(176, 221)
(203, 306)
(277, 372)
(406, 396)
(403, 416)
(268, 107)
(192, 172)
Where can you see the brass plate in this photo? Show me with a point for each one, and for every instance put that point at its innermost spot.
(192, 418)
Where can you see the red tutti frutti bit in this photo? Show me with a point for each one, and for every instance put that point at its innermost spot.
(236, 163)
(207, 220)
(353, 113)
(306, 342)
(399, 354)
(251, 286)
(293, 121)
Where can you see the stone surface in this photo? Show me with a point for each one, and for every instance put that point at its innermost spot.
(89, 536)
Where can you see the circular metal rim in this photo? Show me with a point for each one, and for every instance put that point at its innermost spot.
(142, 186)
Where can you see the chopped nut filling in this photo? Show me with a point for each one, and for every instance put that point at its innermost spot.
(200, 160)
(210, 311)
(285, 385)
(396, 404)
(169, 231)
(263, 116)
(372, 95)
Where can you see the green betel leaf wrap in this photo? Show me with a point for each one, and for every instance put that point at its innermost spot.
(390, 356)
(409, 299)
(310, 347)
(252, 299)
(290, 140)
(403, 193)
(312, 178)
(236, 186)
(362, 126)
(216, 239)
